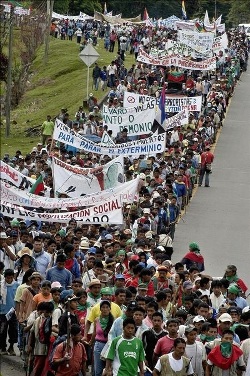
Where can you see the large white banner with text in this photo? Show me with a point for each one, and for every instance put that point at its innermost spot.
(77, 181)
(178, 61)
(200, 42)
(153, 144)
(125, 192)
(138, 119)
(108, 212)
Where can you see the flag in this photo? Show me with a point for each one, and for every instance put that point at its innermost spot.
(199, 27)
(145, 15)
(38, 186)
(218, 21)
(160, 117)
(206, 20)
(183, 9)
(105, 9)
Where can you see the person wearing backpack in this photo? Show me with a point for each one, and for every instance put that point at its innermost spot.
(70, 356)
(39, 339)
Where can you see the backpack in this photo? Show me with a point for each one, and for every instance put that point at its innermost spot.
(45, 331)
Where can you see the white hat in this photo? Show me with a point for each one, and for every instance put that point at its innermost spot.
(225, 317)
(155, 194)
(84, 244)
(142, 176)
(246, 309)
(146, 211)
(56, 284)
(3, 235)
(198, 318)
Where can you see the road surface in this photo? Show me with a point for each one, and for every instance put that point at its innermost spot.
(218, 218)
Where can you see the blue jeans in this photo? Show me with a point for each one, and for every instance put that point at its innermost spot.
(202, 173)
(99, 364)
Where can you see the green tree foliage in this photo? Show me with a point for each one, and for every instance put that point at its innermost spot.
(86, 6)
(61, 6)
(239, 12)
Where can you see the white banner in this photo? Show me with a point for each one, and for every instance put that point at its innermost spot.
(77, 181)
(177, 120)
(138, 120)
(220, 43)
(16, 178)
(184, 25)
(200, 42)
(179, 103)
(153, 144)
(109, 212)
(125, 192)
(178, 61)
(133, 99)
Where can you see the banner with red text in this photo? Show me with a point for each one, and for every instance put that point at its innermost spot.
(178, 61)
(77, 181)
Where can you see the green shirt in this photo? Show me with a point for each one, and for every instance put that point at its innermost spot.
(126, 355)
(48, 128)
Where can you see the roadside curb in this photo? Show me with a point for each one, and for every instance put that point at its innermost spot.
(14, 361)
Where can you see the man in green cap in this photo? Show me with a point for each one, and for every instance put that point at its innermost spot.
(193, 258)
(232, 277)
(233, 294)
(106, 294)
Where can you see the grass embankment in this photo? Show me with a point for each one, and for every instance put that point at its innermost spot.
(62, 82)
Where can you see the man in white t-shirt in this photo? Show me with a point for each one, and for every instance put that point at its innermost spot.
(195, 350)
(174, 362)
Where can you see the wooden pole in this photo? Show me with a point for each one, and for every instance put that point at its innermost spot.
(9, 75)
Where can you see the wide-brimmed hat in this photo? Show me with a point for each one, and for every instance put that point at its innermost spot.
(24, 252)
(36, 275)
(94, 282)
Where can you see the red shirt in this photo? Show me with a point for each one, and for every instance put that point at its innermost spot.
(164, 346)
(206, 157)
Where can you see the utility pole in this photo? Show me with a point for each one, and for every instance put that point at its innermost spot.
(50, 5)
(9, 74)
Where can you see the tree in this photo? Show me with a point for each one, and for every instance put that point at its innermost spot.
(61, 6)
(239, 12)
(86, 6)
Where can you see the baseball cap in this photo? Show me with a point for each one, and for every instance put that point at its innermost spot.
(119, 276)
(56, 284)
(190, 328)
(65, 294)
(106, 291)
(3, 235)
(142, 286)
(198, 318)
(187, 284)
(225, 317)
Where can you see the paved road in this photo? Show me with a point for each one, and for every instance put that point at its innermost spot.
(218, 218)
(10, 369)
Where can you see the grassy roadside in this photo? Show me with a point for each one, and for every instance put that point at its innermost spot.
(60, 83)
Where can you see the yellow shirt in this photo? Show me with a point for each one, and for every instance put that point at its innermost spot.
(19, 292)
(95, 312)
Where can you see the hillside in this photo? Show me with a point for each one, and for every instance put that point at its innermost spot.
(60, 83)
